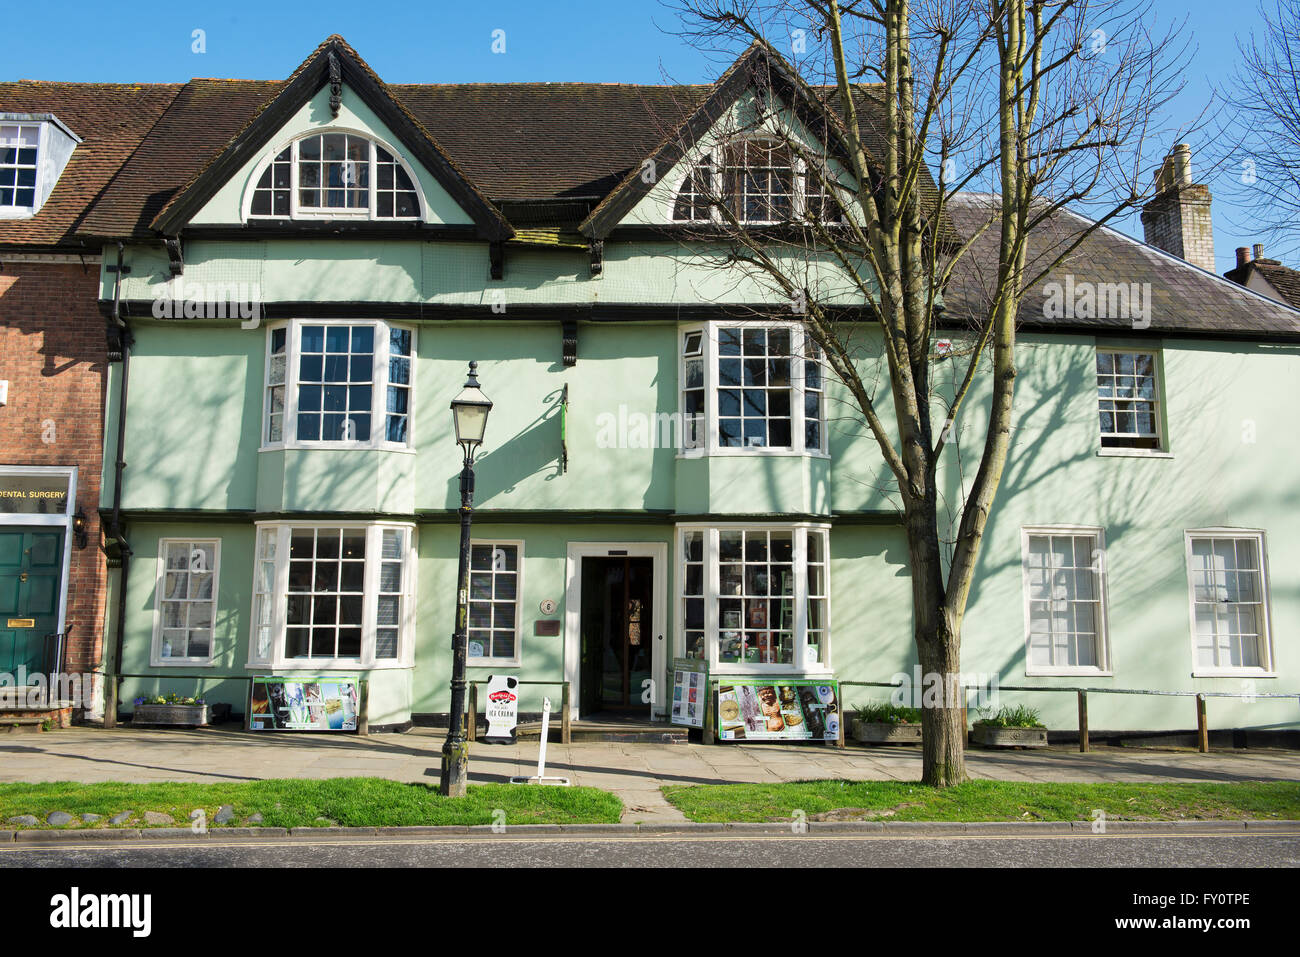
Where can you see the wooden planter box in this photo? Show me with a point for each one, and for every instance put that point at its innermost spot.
(885, 732)
(987, 736)
(182, 714)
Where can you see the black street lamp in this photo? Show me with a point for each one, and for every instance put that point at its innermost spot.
(469, 411)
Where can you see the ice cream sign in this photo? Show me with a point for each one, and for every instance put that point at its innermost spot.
(502, 708)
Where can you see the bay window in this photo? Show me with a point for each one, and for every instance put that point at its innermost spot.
(332, 594)
(755, 598)
(1229, 602)
(338, 384)
(751, 387)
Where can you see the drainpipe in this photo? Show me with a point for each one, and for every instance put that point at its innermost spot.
(115, 533)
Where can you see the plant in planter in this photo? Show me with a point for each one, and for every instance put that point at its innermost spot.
(883, 722)
(1007, 727)
(169, 709)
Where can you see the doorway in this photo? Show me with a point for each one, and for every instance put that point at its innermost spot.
(31, 572)
(618, 628)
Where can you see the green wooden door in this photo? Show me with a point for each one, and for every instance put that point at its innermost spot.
(31, 568)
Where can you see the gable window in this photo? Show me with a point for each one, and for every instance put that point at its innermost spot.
(338, 384)
(1128, 398)
(1229, 602)
(494, 573)
(757, 181)
(755, 598)
(19, 146)
(328, 175)
(187, 601)
(1064, 590)
(750, 387)
(331, 593)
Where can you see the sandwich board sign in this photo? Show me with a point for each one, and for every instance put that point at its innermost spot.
(502, 708)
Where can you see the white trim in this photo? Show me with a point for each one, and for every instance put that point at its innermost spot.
(156, 660)
(379, 383)
(15, 211)
(367, 661)
(658, 551)
(1267, 667)
(712, 629)
(1105, 666)
(329, 213)
(517, 660)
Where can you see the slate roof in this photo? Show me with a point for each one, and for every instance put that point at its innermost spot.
(111, 119)
(1283, 279)
(1186, 300)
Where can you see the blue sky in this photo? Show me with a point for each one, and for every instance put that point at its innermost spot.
(626, 41)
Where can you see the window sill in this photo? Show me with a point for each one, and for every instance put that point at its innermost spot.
(1134, 453)
(1069, 673)
(493, 663)
(731, 670)
(1234, 673)
(332, 664)
(741, 452)
(405, 449)
(181, 662)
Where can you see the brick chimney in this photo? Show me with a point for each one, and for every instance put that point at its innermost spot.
(1177, 219)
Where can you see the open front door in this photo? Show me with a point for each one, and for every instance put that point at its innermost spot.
(618, 631)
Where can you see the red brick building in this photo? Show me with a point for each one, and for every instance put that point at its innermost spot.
(60, 145)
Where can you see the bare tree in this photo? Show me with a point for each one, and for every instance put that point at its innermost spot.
(1264, 102)
(1043, 103)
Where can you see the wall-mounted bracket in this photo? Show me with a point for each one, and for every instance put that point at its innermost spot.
(570, 342)
(597, 256)
(175, 256)
(497, 252)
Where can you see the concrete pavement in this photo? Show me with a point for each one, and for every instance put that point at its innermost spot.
(633, 771)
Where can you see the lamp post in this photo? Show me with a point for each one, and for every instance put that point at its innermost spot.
(469, 411)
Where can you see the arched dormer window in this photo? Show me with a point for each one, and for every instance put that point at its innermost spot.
(759, 181)
(333, 175)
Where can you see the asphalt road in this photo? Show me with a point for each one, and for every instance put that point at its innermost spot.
(1156, 850)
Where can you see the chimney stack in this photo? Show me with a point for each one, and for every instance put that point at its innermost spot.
(1177, 219)
(1243, 255)
(1259, 250)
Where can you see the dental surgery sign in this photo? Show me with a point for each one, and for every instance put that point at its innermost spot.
(502, 708)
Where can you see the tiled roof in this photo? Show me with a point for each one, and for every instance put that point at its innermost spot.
(1184, 298)
(1284, 280)
(111, 119)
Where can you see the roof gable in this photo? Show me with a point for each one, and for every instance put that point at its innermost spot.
(333, 65)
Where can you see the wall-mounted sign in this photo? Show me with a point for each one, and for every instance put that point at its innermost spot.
(502, 708)
(690, 687)
(546, 627)
(34, 494)
(304, 704)
(778, 709)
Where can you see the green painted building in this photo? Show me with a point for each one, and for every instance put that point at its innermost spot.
(306, 269)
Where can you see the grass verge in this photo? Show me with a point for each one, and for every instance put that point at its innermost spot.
(985, 801)
(347, 802)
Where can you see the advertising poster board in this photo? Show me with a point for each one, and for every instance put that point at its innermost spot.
(325, 703)
(778, 709)
(690, 687)
(502, 710)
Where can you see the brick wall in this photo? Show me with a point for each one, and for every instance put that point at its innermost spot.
(53, 353)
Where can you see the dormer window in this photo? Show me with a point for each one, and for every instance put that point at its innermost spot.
(34, 149)
(332, 175)
(759, 181)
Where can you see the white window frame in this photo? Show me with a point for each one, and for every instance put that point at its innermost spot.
(517, 660)
(714, 156)
(712, 629)
(297, 211)
(1266, 668)
(379, 388)
(1157, 404)
(156, 658)
(799, 340)
(15, 210)
(278, 660)
(1104, 666)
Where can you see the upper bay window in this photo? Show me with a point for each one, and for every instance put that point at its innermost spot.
(750, 387)
(338, 385)
(755, 598)
(1128, 398)
(757, 181)
(331, 175)
(325, 593)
